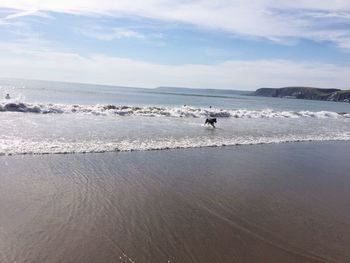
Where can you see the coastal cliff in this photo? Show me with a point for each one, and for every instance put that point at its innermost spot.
(305, 93)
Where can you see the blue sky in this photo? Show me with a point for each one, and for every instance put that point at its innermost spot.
(228, 44)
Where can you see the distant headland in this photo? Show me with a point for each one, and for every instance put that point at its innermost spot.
(307, 93)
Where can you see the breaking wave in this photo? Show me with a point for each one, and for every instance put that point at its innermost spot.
(186, 111)
(21, 146)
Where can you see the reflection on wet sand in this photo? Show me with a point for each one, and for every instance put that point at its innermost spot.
(268, 203)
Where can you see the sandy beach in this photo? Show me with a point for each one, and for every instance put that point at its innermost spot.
(263, 203)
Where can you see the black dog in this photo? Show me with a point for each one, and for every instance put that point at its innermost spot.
(210, 121)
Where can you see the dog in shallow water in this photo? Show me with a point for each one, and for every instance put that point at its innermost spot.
(210, 121)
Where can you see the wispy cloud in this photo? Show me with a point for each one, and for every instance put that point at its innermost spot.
(111, 34)
(58, 65)
(271, 19)
(20, 13)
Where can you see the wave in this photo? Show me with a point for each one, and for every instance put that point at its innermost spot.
(153, 111)
(21, 146)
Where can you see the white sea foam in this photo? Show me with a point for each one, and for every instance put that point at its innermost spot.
(21, 146)
(114, 110)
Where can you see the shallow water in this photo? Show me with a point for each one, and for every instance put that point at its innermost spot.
(49, 117)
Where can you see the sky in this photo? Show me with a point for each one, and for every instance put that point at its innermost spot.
(226, 44)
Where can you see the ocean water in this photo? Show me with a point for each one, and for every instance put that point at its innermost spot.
(51, 117)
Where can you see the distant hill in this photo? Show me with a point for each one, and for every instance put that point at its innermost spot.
(308, 93)
(201, 91)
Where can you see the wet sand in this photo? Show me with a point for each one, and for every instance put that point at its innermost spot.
(265, 203)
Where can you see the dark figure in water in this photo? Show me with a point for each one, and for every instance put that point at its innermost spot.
(210, 121)
(7, 96)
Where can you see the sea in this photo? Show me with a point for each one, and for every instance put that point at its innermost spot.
(43, 117)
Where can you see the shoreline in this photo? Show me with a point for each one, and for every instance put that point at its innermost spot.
(165, 148)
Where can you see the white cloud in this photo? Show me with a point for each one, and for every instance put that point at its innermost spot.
(272, 19)
(114, 33)
(50, 65)
(20, 14)
(32, 12)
